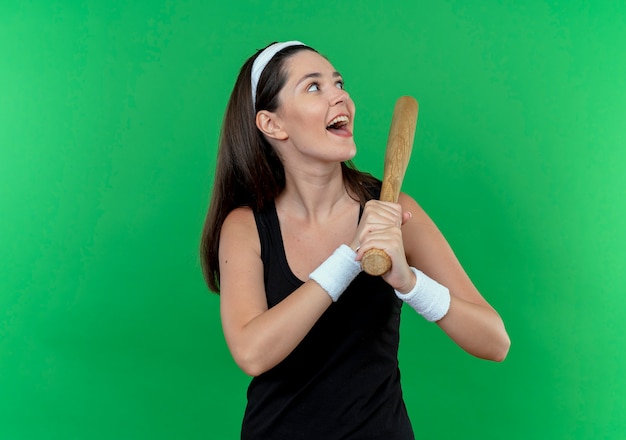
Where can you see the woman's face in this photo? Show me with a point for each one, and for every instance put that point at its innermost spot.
(315, 112)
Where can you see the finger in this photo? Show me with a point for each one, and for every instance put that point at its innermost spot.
(384, 212)
(388, 239)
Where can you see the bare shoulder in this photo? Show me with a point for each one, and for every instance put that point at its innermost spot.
(420, 219)
(239, 217)
(422, 238)
(239, 227)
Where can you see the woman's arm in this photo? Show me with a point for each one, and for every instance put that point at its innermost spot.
(259, 338)
(414, 240)
(471, 322)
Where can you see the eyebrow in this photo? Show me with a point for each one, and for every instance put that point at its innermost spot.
(316, 75)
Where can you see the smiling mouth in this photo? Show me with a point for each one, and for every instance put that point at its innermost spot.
(339, 126)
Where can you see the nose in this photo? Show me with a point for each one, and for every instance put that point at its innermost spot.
(338, 96)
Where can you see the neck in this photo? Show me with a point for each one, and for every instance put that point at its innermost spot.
(313, 195)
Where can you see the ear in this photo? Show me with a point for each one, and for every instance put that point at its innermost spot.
(270, 125)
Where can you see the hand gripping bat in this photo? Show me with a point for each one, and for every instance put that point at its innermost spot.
(397, 155)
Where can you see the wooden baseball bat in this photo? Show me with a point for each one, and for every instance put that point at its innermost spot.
(397, 155)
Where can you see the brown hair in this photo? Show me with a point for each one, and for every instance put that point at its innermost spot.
(248, 171)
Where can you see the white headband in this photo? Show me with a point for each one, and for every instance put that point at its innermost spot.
(261, 61)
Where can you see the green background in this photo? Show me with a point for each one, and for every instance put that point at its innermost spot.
(109, 120)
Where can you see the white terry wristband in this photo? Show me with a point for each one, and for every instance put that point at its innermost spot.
(428, 298)
(337, 272)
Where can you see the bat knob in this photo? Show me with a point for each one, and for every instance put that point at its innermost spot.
(376, 262)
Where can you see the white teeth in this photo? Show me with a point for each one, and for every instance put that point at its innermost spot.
(337, 120)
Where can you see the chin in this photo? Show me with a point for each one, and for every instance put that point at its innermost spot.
(347, 155)
(352, 152)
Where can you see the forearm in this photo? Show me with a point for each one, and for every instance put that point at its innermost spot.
(476, 328)
(271, 336)
(268, 337)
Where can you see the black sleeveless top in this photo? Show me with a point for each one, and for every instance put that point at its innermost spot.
(342, 381)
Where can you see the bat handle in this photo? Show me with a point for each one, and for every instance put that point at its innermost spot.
(376, 262)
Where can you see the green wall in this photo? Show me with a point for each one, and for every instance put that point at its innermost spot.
(109, 119)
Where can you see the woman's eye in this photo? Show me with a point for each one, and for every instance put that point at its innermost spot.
(313, 88)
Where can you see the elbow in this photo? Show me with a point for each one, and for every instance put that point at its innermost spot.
(251, 369)
(249, 362)
(500, 343)
(254, 353)
(252, 372)
(501, 350)
(495, 350)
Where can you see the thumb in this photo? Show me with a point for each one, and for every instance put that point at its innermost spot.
(406, 216)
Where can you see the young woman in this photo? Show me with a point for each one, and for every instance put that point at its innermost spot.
(289, 220)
